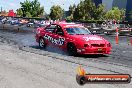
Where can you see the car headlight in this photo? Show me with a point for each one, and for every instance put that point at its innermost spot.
(86, 45)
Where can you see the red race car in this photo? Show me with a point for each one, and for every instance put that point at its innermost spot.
(74, 38)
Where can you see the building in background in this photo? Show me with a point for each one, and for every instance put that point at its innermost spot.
(107, 3)
(129, 10)
(3, 13)
(121, 4)
(11, 13)
(97, 2)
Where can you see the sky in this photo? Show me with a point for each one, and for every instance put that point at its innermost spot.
(15, 4)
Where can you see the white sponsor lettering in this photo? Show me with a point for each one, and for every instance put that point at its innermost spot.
(59, 41)
(91, 38)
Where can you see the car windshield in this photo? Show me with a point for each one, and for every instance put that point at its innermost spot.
(77, 31)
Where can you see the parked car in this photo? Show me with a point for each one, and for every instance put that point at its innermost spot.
(125, 29)
(95, 28)
(110, 29)
(14, 22)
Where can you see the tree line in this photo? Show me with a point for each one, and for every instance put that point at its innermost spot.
(30, 9)
(85, 10)
(34, 9)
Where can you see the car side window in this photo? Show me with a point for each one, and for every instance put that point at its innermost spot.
(59, 30)
(51, 28)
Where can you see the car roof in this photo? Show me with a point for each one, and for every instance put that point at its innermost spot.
(66, 25)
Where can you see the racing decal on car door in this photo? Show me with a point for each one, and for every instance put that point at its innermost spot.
(59, 41)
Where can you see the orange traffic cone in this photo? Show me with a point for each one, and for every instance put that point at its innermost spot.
(131, 41)
(117, 37)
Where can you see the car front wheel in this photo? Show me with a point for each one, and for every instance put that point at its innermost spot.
(71, 48)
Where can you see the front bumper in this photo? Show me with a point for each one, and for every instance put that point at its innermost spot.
(95, 50)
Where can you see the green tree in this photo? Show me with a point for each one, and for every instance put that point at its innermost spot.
(19, 12)
(90, 9)
(109, 15)
(80, 12)
(115, 13)
(28, 14)
(99, 12)
(77, 13)
(56, 12)
(123, 14)
(37, 10)
(31, 9)
(26, 7)
(86, 10)
(71, 12)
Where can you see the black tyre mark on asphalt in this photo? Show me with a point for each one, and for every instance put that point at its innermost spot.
(49, 55)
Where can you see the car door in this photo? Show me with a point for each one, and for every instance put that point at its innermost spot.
(48, 35)
(59, 37)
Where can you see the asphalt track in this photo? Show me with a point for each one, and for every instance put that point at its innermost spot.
(118, 62)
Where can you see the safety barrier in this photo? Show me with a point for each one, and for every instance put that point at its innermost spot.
(16, 28)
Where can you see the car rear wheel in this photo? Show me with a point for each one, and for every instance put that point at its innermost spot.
(42, 43)
(71, 48)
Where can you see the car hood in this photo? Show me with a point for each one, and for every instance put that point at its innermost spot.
(93, 39)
